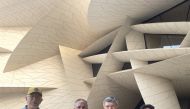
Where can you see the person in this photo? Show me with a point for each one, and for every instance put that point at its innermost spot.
(33, 98)
(80, 104)
(110, 103)
(147, 106)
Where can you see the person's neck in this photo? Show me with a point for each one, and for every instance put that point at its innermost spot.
(31, 107)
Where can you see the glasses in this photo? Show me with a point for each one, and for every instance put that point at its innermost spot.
(37, 96)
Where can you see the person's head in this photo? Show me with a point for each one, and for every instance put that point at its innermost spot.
(147, 106)
(33, 98)
(110, 103)
(80, 104)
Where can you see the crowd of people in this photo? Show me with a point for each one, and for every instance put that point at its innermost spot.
(34, 99)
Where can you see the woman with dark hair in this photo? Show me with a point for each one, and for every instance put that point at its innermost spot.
(147, 106)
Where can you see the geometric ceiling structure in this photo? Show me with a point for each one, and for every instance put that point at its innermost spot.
(135, 50)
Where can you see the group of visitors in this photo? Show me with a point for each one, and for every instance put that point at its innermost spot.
(34, 99)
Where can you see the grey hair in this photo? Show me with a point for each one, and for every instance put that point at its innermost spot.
(111, 99)
(82, 100)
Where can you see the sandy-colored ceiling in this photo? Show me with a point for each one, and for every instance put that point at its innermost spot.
(46, 29)
(106, 14)
(23, 12)
(72, 23)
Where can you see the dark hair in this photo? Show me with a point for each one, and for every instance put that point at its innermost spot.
(147, 106)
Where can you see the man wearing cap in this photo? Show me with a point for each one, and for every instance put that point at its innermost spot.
(33, 98)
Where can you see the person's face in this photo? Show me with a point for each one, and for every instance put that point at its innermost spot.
(33, 100)
(110, 105)
(81, 105)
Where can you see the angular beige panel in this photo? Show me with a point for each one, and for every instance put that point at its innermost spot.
(126, 79)
(64, 24)
(186, 41)
(153, 89)
(174, 69)
(106, 14)
(30, 12)
(157, 91)
(6, 3)
(12, 100)
(163, 28)
(104, 86)
(90, 81)
(135, 40)
(76, 71)
(137, 63)
(11, 36)
(3, 50)
(99, 44)
(150, 54)
(96, 58)
(3, 60)
(46, 73)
